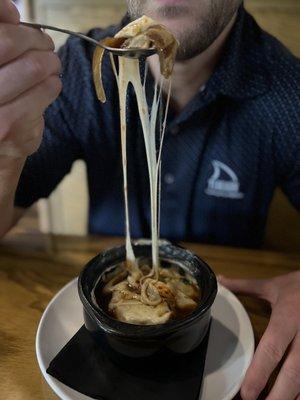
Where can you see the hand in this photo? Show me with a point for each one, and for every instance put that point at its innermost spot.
(281, 337)
(29, 82)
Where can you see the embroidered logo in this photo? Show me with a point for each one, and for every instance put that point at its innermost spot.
(223, 182)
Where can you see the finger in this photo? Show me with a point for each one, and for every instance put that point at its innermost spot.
(250, 287)
(16, 40)
(41, 96)
(287, 385)
(9, 12)
(34, 67)
(276, 339)
(31, 140)
(29, 106)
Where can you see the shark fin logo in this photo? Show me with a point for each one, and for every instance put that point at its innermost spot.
(223, 182)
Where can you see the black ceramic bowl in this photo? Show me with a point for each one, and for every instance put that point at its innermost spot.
(180, 336)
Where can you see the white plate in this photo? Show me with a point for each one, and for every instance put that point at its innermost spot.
(230, 349)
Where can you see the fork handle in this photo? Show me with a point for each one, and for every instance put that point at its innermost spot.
(54, 28)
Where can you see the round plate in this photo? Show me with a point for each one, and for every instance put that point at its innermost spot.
(230, 348)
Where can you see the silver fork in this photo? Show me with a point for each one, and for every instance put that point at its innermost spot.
(130, 53)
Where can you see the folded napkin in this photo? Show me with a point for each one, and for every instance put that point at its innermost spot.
(88, 367)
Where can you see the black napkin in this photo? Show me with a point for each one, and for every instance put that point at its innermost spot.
(86, 366)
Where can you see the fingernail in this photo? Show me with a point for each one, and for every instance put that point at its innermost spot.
(220, 278)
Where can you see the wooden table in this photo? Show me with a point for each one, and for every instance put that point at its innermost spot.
(34, 267)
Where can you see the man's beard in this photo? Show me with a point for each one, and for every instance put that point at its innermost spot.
(201, 33)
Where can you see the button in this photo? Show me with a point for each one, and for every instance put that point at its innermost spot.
(169, 179)
(202, 88)
(175, 130)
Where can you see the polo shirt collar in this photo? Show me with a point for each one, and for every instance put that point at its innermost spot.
(241, 72)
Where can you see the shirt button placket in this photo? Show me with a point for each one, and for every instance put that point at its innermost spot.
(169, 179)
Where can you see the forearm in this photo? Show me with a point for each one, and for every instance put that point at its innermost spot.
(10, 171)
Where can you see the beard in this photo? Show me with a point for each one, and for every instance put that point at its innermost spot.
(196, 24)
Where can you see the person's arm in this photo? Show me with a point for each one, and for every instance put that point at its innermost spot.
(280, 343)
(286, 143)
(70, 123)
(9, 176)
(29, 82)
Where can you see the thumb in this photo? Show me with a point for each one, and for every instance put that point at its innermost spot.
(249, 287)
(8, 12)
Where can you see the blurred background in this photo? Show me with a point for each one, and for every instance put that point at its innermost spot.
(65, 212)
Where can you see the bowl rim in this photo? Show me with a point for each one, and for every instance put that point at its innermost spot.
(132, 331)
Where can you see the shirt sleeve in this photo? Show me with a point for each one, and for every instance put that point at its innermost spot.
(65, 123)
(287, 146)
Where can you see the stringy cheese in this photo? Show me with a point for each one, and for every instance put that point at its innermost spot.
(138, 297)
(129, 71)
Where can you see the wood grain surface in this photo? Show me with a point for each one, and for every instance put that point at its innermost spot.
(34, 267)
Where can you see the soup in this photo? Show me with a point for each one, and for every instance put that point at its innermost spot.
(138, 292)
(147, 301)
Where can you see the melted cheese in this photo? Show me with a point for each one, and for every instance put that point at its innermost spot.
(129, 72)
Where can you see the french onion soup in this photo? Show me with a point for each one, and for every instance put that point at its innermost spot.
(144, 291)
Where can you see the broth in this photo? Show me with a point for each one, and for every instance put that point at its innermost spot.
(173, 296)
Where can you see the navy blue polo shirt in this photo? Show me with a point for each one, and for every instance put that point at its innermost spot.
(223, 156)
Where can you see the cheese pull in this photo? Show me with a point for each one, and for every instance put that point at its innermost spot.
(141, 33)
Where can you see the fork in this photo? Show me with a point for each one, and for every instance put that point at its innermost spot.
(129, 53)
